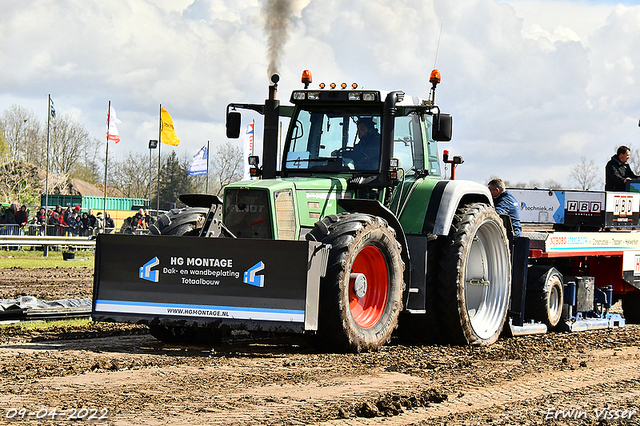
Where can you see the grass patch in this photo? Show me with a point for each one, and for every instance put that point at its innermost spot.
(32, 259)
(46, 324)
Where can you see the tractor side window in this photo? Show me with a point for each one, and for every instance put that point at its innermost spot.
(305, 141)
(432, 148)
(314, 137)
(407, 143)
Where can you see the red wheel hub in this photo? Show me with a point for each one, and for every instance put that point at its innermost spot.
(367, 310)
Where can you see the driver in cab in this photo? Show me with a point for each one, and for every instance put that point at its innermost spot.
(366, 153)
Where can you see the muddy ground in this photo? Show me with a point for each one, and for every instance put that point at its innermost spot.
(121, 375)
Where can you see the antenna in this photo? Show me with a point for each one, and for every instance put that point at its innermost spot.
(438, 47)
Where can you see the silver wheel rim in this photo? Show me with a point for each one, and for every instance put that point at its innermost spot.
(554, 301)
(487, 280)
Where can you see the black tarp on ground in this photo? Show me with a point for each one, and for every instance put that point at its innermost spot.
(29, 307)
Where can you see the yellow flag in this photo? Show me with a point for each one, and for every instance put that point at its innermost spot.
(168, 135)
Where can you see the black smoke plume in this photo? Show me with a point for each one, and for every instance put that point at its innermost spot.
(277, 25)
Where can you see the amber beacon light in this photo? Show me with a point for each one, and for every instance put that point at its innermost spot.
(434, 78)
(306, 78)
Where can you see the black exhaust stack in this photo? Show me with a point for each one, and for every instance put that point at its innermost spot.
(270, 137)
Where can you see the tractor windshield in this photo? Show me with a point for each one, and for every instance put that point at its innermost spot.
(334, 141)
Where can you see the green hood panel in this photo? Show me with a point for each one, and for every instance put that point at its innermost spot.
(314, 197)
(413, 215)
(317, 197)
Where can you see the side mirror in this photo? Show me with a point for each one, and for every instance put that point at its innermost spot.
(234, 119)
(442, 128)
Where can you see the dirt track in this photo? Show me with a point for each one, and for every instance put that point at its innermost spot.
(130, 378)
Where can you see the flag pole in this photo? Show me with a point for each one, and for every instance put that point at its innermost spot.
(159, 145)
(46, 184)
(207, 185)
(253, 142)
(106, 161)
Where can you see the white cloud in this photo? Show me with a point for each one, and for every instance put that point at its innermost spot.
(532, 84)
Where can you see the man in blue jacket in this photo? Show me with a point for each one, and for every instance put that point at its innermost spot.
(506, 203)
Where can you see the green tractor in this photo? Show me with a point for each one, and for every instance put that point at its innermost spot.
(359, 179)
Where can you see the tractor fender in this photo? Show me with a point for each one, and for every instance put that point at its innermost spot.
(200, 200)
(375, 208)
(446, 197)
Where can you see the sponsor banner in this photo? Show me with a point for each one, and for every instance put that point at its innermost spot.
(631, 263)
(572, 208)
(584, 208)
(204, 277)
(622, 209)
(539, 205)
(558, 242)
(229, 312)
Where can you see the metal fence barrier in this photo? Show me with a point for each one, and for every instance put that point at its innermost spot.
(15, 242)
(50, 230)
(16, 237)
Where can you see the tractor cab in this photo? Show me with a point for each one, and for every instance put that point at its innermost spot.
(378, 136)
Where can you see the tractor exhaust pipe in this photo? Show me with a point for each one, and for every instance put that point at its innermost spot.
(270, 138)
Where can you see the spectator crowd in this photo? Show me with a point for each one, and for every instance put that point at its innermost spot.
(71, 221)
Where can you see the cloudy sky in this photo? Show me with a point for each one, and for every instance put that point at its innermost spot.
(533, 85)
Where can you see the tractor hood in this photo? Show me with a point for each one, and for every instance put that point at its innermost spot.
(279, 208)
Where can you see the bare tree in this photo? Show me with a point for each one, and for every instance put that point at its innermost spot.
(552, 184)
(22, 134)
(510, 184)
(69, 141)
(133, 175)
(227, 166)
(90, 168)
(586, 174)
(4, 148)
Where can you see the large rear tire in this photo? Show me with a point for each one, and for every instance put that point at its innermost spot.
(474, 277)
(178, 222)
(361, 293)
(631, 307)
(544, 295)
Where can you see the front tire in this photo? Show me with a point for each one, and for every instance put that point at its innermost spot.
(475, 277)
(361, 293)
(179, 222)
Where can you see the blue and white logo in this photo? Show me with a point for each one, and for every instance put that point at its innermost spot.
(250, 276)
(147, 274)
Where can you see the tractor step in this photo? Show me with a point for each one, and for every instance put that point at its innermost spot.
(584, 324)
(527, 329)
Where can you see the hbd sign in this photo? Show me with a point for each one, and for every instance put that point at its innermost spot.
(575, 206)
(622, 209)
(584, 208)
(623, 205)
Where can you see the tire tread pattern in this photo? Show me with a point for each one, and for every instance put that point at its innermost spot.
(345, 232)
(452, 326)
